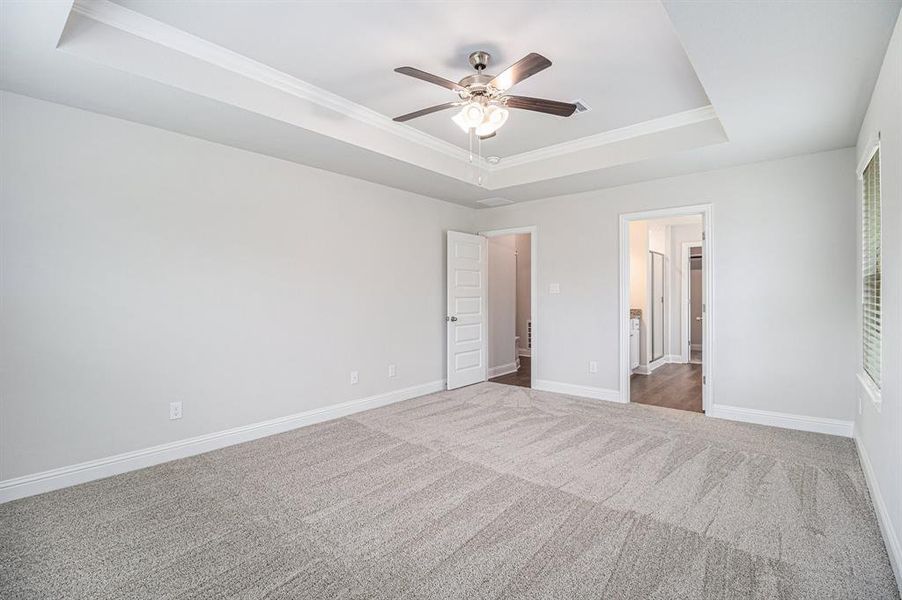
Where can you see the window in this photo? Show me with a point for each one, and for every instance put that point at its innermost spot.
(870, 271)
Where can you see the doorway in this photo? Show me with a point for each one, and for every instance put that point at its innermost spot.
(510, 329)
(492, 307)
(666, 309)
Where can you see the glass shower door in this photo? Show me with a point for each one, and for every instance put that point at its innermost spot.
(657, 305)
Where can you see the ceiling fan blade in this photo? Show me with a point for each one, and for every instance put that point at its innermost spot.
(418, 74)
(425, 111)
(527, 66)
(552, 107)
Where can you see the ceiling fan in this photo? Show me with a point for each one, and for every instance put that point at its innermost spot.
(484, 97)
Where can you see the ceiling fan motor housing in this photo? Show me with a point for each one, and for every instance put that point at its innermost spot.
(479, 60)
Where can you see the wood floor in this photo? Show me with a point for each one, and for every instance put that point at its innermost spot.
(671, 386)
(521, 377)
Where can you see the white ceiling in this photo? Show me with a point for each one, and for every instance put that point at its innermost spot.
(783, 78)
(622, 59)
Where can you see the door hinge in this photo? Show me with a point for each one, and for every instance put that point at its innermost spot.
(704, 380)
(703, 236)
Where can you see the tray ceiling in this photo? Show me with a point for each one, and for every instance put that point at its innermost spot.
(674, 87)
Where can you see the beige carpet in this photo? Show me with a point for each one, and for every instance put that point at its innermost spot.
(489, 491)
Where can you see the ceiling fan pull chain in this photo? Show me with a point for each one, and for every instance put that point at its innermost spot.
(478, 159)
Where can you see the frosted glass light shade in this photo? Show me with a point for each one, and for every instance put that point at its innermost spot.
(495, 117)
(472, 115)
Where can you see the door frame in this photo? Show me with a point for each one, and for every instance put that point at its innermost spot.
(533, 291)
(685, 308)
(708, 333)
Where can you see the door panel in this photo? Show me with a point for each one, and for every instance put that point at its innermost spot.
(466, 306)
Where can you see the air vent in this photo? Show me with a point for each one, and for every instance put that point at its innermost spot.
(494, 201)
(581, 106)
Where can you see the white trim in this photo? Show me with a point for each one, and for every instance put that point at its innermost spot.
(54, 479)
(523, 352)
(784, 420)
(708, 335)
(144, 27)
(890, 537)
(681, 119)
(867, 390)
(652, 366)
(533, 231)
(871, 147)
(502, 370)
(582, 391)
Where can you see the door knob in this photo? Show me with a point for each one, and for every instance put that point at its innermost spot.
(450, 318)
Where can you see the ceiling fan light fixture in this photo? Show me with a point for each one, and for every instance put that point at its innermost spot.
(495, 117)
(470, 116)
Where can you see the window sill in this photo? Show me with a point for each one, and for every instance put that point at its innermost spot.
(867, 390)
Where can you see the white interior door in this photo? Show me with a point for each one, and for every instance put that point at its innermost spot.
(466, 316)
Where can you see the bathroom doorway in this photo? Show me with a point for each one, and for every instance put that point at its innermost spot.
(664, 307)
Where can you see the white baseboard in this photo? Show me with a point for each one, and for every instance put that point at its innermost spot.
(890, 537)
(524, 351)
(650, 367)
(674, 358)
(785, 420)
(38, 483)
(656, 363)
(502, 370)
(582, 391)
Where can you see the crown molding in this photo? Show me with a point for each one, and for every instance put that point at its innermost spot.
(144, 27)
(177, 40)
(681, 119)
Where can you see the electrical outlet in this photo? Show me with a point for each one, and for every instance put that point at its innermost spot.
(175, 410)
(554, 288)
(593, 366)
(392, 371)
(354, 377)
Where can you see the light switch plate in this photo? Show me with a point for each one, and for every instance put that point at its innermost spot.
(392, 371)
(593, 366)
(355, 377)
(175, 410)
(554, 288)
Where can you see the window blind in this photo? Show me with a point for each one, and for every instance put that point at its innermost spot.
(870, 270)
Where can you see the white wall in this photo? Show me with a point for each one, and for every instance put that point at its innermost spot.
(141, 266)
(502, 314)
(691, 232)
(880, 432)
(524, 285)
(785, 262)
